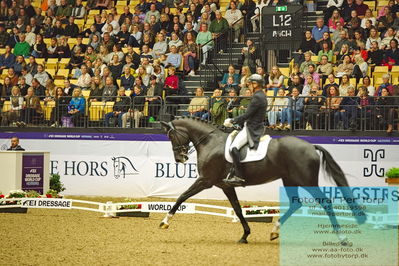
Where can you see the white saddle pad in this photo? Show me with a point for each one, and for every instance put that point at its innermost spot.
(252, 155)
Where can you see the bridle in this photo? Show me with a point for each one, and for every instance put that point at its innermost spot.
(181, 148)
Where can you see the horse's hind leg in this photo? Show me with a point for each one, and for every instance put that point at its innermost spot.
(199, 185)
(294, 206)
(232, 196)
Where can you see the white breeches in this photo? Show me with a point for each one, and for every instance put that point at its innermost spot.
(240, 140)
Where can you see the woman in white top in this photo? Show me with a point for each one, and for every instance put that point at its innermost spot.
(84, 81)
(277, 107)
(345, 85)
(367, 84)
(175, 41)
(142, 72)
(368, 16)
(137, 34)
(276, 80)
(363, 66)
(374, 37)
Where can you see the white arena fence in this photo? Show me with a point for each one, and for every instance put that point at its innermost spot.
(110, 209)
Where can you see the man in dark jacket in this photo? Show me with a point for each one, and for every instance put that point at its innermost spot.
(252, 122)
(15, 145)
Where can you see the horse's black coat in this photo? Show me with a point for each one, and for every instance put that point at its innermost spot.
(293, 160)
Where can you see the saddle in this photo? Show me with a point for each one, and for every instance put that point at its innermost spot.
(247, 154)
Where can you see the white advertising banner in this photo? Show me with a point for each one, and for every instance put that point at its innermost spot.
(126, 165)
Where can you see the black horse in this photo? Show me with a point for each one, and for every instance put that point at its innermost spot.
(293, 160)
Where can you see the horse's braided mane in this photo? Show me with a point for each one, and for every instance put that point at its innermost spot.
(198, 119)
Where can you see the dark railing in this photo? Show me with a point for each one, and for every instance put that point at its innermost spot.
(313, 113)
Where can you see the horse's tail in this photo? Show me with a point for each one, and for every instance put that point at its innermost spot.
(336, 173)
(331, 167)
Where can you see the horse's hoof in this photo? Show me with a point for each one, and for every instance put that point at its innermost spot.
(163, 226)
(273, 236)
(243, 241)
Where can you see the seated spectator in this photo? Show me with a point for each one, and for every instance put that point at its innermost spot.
(343, 40)
(84, 81)
(389, 35)
(334, 19)
(121, 106)
(171, 85)
(230, 85)
(342, 53)
(138, 82)
(335, 36)
(274, 115)
(367, 84)
(78, 11)
(79, 43)
(22, 47)
(50, 91)
(23, 87)
(385, 22)
(392, 54)
(41, 75)
(295, 83)
(276, 80)
(304, 66)
(115, 66)
(135, 37)
(332, 106)
(347, 114)
(345, 85)
(376, 55)
(32, 108)
(63, 11)
(7, 59)
(95, 43)
(244, 82)
(361, 8)
(63, 49)
(61, 107)
(366, 106)
(261, 71)
(152, 12)
(16, 104)
(52, 48)
(28, 76)
(233, 102)
(319, 29)
(175, 41)
(243, 104)
(90, 54)
(160, 47)
(393, 112)
(96, 89)
(76, 107)
(313, 73)
(384, 104)
(326, 50)
(346, 68)
(127, 80)
(324, 69)
(145, 77)
(13, 76)
(109, 91)
(154, 94)
(292, 112)
(231, 72)
(373, 37)
(331, 82)
(360, 68)
(308, 44)
(71, 29)
(310, 83)
(137, 111)
(174, 58)
(312, 105)
(203, 40)
(385, 84)
(218, 27)
(217, 112)
(40, 90)
(76, 58)
(198, 105)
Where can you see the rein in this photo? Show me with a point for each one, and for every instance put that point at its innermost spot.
(180, 146)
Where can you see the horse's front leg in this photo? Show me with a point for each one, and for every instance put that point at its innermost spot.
(231, 194)
(199, 185)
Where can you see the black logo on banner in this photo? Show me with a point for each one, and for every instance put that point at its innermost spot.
(373, 156)
(122, 166)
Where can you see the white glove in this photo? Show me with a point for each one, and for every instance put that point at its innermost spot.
(228, 122)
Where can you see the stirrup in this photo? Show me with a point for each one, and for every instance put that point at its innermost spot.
(234, 180)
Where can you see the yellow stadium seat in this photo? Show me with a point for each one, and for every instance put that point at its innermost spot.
(73, 81)
(395, 69)
(128, 93)
(6, 106)
(109, 107)
(52, 63)
(314, 58)
(63, 62)
(59, 82)
(270, 93)
(352, 81)
(86, 93)
(63, 73)
(40, 61)
(2, 50)
(285, 71)
(382, 69)
(4, 73)
(48, 108)
(94, 12)
(394, 77)
(51, 71)
(121, 3)
(85, 41)
(96, 111)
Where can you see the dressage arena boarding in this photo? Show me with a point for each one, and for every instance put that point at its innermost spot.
(88, 233)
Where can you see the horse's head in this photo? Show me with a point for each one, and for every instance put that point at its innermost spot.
(180, 141)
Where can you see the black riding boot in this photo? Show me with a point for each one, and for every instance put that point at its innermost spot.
(235, 175)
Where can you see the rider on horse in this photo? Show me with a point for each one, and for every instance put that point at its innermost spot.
(253, 126)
